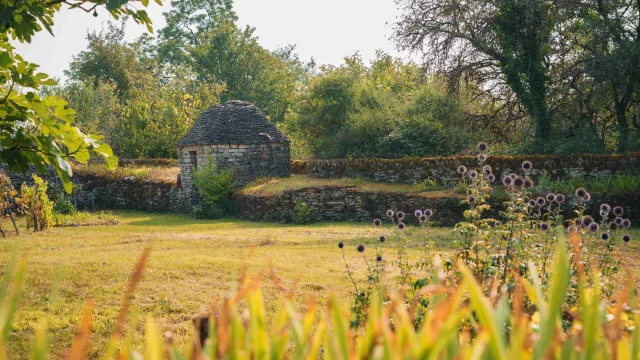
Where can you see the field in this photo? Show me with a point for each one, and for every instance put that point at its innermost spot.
(193, 263)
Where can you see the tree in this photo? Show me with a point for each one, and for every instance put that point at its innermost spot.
(37, 130)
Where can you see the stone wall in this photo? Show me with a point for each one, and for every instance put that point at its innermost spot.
(249, 161)
(330, 203)
(414, 170)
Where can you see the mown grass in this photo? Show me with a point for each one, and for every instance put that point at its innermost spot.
(193, 263)
(139, 172)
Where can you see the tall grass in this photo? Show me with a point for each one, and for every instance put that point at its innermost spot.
(464, 322)
(621, 183)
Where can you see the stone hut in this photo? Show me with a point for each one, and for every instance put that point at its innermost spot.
(240, 137)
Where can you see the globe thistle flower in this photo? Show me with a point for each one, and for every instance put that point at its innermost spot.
(487, 169)
(587, 197)
(626, 238)
(401, 226)
(378, 258)
(528, 183)
(532, 203)
(626, 223)
(497, 223)
(551, 197)
(581, 193)
(544, 226)
(527, 165)
(540, 201)
(382, 239)
(417, 213)
(518, 182)
(559, 198)
(513, 176)
(473, 174)
(572, 229)
(340, 245)
(613, 225)
(377, 222)
(605, 207)
(483, 147)
(472, 199)
(618, 221)
(428, 212)
(618, 211)
(604, 236)
(390, 213)
(603, 213)
(360, 248)
(423, 218)
(586, 221)
(507, 181)
(491, 178)
(482, 157)
(400, 215)
(462, 169)
(593, 227)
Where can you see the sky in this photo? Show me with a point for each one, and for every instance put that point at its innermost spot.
(326, 30)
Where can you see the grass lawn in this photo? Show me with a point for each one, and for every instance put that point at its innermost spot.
(193, 263)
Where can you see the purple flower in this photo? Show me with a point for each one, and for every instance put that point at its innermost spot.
(544, 226)
(390, 213)
(532, 203)
(423, 218)
(527, 165)
(618, 211)
(507, 181)
(401, 226)
(603, 213)
(513, 176)
(587, 220)
(618, 220)
(491, 178)
(581, 193)
(626, 223)
(378, 258)
(341, 245)
(605, 207)
(483, 147)
(605, 236)
(540, 201)
(462, 169)
(482, 157)
(587, 197)
(473, 174)
(551, 197)
(572, 229)
(559, 198)
(497, 223)
(593, 227)
(472, 199)
(382, 239)
(518, 182)
(417, 213)
(613, 225)
(487, 169)
(360, 248)
(377, 222)
(400, 215)
(428, 212)
(528, 183)
(626, 238)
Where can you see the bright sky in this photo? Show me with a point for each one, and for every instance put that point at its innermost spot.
(326, 30)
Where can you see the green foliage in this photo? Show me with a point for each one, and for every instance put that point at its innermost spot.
(216, 187)
(84, 218)
(36, 205)
(619, 183)
(301, 212)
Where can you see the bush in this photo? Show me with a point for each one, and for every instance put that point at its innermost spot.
(35, 204)
(215, 187)
(301, 212)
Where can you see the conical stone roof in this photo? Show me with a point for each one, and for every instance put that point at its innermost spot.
(234, 122)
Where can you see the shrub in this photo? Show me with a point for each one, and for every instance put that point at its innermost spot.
(84, 218)
(301, 212)
(215, 187)
(61, 202)
(35, 204)
(7, 193)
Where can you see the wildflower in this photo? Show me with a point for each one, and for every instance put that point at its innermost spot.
(605, 207)
(586, 221)
(377, 222)
(513, 176)
(572, 229)
(360, 248)
(604, 236)
(626, 223)
(618, 211)
(378, 258)
(618, 220)
(581, 193)
(428, 212)
(587, 197)
(544, 226)
(423, 218)
(593, 227)
(483, 147)
(507, 181)
(418, 213)
(626, 238)
(551, 197)
(462, 169)
(540, 201)
(528, 183)
(340, 245)
(487, 169)
(482, 157)
(491, 178)
(532, 203)
(527, 165)
(382, 239)
(518, 182)
(559, 198)
(390, 213)
(473, 174)
(498, 223)
(401, 226)
(603, 213)
(613, 225)
(400, 215)
(472, 199)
